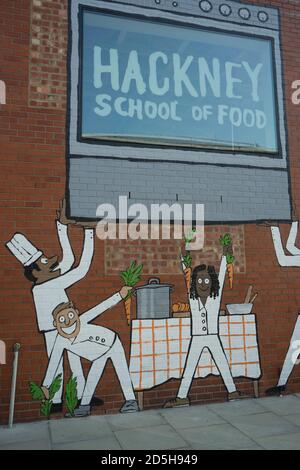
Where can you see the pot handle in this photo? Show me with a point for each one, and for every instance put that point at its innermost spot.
(154, 280)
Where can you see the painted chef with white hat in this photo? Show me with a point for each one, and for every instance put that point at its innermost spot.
(50, 280)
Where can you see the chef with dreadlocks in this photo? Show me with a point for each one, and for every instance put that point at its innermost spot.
(205, 299)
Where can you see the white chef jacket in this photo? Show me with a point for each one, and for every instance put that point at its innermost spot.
(48, 295)
(92, 342)
(205, 319)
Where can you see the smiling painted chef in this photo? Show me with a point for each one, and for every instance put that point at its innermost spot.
(205, 298)
(94, 343)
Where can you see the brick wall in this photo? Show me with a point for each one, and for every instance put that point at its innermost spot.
(32, 149)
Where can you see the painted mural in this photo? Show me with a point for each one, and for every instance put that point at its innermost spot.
(62, 326)
(187, 339)
(190, 338)
(197, 339)
(291, 260)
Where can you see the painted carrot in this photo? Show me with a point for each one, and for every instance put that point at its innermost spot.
(188, 275)
(230, 269)
(130, 277)
(127, 305)
(226, 242)
(187, 260)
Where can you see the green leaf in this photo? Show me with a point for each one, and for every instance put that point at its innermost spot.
(71, 395)
(229, 259)
(55, 386)
(46, 408)
(226, 240)
(36, 391)
(187, 259)
(131, 276)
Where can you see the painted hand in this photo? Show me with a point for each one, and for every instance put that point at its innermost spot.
(227, 250)
(46, 392)
(61, 214)
(125, 291)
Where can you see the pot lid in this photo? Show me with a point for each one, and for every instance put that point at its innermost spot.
(153, 283)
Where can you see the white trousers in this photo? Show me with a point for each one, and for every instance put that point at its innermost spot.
(213, 344)
(75, 366)
(291, 355)
(117, 356)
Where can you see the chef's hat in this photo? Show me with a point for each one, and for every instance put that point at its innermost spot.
(23, 249)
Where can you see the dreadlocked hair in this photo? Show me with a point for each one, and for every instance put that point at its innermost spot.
(215, 285)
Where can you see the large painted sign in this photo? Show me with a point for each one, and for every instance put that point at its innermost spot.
(180, 103)
(155, 82)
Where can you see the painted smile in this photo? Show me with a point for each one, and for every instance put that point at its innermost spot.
(54, 267)
(70, 329)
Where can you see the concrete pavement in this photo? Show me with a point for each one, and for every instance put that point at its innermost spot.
(265, 423)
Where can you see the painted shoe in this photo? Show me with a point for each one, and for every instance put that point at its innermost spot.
(237, 395)
(56, 408)
(275, 391)
(80, 412)
(177, 403)
(95, 401)
(130, 406)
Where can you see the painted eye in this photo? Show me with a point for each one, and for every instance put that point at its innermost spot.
(200, 280)
(44, 261)
(61, 319)
(206, 281)
(71, 315)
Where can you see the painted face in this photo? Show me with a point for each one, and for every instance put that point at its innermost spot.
(67, 323)
(203, 283)
(47, 269)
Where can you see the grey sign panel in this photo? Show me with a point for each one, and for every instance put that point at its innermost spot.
(235, 183)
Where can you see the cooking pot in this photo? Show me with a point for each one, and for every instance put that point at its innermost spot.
(153, 300)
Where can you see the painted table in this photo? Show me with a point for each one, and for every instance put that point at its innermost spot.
(159, 350)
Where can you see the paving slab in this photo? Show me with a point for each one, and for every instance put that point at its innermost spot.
(24, 432)
(282, 442)
(237, 408)
(263, 425)
(194, 416)
(216, 437)
(38, 444)
(295, 419)
(135, 420)
(285, 405)
(102, 443)
(152, 438)
(78, 429)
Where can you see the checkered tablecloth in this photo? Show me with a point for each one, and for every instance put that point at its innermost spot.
(159, 349)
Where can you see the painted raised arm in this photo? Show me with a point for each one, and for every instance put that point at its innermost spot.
(222, 272)
(283, 259)
(78, 273)
(291, 243)
(68, 257)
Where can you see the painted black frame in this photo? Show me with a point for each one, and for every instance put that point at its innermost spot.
(115, 143)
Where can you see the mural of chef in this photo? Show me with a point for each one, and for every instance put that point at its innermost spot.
(94, 343)
(292, 260)
(205, 298)
(50, 280)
